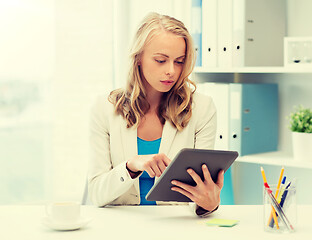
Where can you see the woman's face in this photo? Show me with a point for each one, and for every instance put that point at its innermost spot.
(162, 62)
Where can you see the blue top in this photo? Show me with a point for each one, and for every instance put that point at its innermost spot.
(145, 181)
(227, 194)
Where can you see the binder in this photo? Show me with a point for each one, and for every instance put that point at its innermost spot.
(253, 118)
(224, 23)
(196, 29)
(219, 92)
(247, 116)
(258, 32)
(238, 47)
(209, 33)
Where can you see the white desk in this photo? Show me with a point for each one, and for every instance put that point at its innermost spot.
(144, 222)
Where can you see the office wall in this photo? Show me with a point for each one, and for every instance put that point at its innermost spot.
(299, 12)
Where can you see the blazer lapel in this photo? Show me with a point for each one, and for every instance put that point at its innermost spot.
(168, 135)
(128, 140)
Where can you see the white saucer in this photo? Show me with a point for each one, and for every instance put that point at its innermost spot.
(66, 226)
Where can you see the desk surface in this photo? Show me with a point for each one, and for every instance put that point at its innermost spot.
(148, 222)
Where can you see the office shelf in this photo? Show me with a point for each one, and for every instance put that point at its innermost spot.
(254, 70)
(275, 158)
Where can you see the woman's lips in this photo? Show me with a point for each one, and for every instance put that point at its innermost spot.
(167, 82)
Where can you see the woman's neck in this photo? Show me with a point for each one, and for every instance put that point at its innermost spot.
(154, 100)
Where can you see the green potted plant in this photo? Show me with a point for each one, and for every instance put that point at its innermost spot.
(301, 127)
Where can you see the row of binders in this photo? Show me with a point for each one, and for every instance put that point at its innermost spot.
(247, 116)
(238, 33)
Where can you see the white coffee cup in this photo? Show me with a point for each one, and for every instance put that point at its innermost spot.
(63, 212)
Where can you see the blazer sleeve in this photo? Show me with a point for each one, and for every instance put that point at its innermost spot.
(105, 183)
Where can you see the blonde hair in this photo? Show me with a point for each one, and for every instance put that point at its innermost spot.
(176, 104)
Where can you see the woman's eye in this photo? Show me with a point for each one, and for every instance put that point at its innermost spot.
(160, 61)
(180, 62)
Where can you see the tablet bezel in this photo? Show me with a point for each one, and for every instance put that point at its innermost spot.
(215, 160)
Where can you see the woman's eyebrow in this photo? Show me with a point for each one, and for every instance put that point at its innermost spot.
(164, 55)
(183, 56)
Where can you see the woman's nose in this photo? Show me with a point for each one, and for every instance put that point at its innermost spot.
(170, 69)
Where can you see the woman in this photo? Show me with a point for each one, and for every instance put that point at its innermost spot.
(138, 130)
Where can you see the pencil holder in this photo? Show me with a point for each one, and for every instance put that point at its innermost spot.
(280, 216)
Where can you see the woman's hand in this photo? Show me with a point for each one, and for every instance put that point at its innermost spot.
(205, 194)
(154, 164)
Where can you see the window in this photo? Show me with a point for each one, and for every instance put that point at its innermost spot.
(55, 58)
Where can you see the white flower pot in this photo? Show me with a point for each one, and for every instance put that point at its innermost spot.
(302, 146)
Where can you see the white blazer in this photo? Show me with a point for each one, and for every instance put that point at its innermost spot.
(113, 144)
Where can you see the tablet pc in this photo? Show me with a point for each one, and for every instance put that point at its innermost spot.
(189, 158)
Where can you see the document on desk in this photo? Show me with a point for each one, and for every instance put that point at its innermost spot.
(222, 222)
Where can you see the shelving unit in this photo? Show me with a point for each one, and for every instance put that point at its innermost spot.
(254, 70)
(295, 87)
(275, 158)
(285, 78)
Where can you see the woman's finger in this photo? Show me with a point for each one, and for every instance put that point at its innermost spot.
(220, 180)
(150, 172)
(185, 187)
(185, 193)
(155, 168)
(207, 175)
(161, 166)
(147, 166)
(195, 176)
(164, 158)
